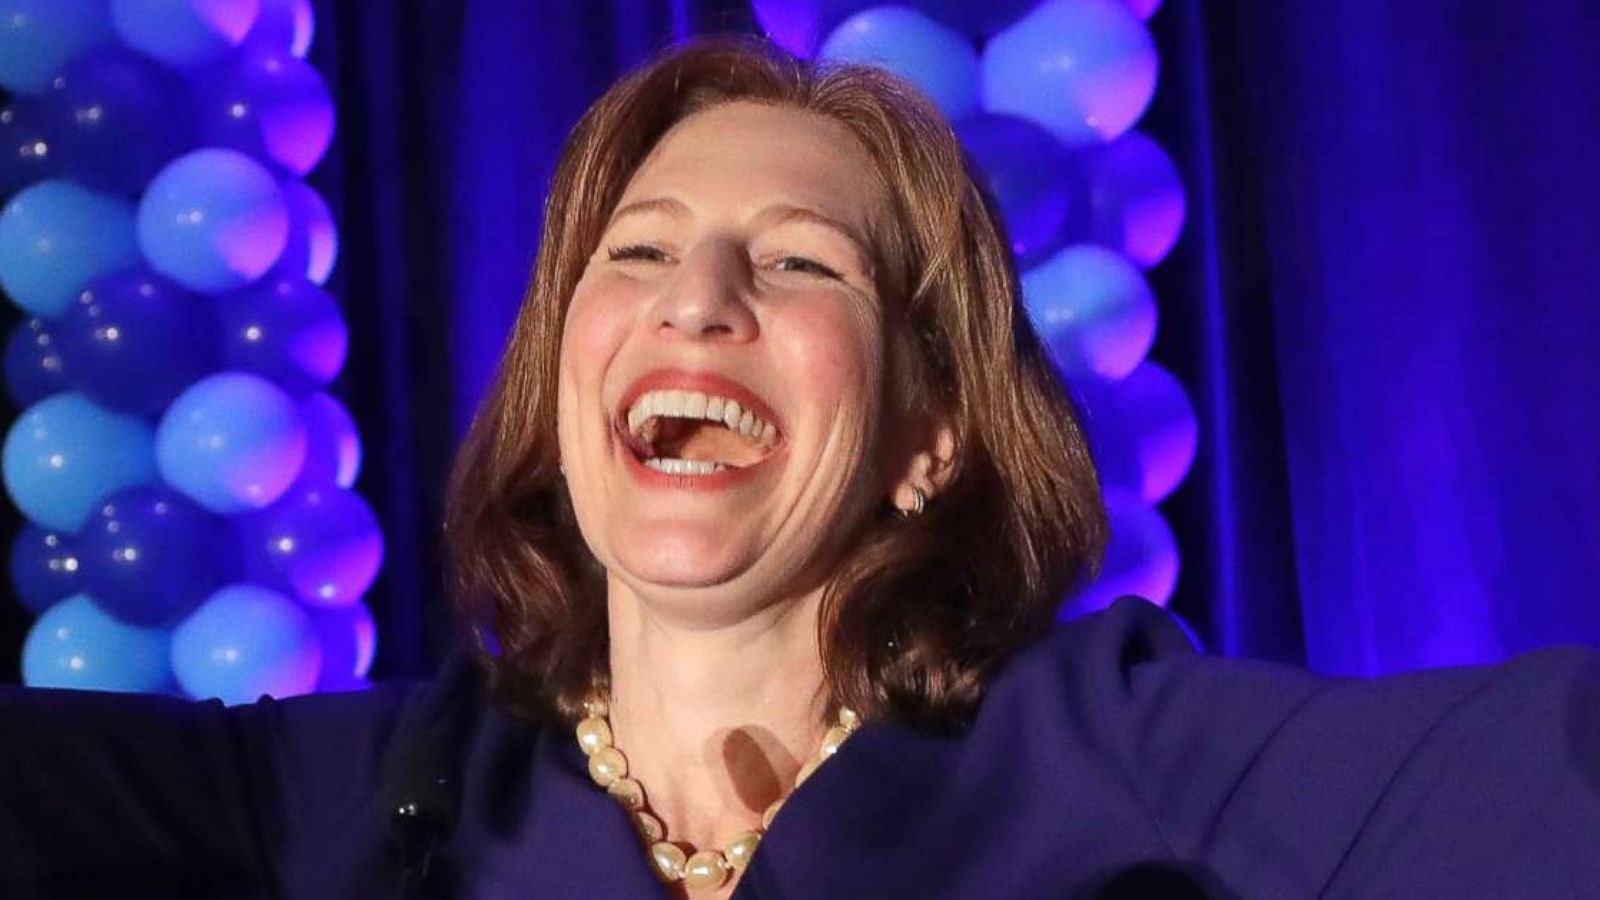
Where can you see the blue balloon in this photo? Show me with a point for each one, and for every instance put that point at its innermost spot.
(55, 238)
(232, 442)
(271, 106)
(322, 545)
(1084, 69)
(1034, 180)
(943, 63)
(65, 454)
(150, 556)
(45, 567)
(28, 150)
(333, 446)
(184, 33)
(1094, 311)
(133, 341)
(74, 644)
(117, 118)
(286, 330)
(213, 220)
(349, 639)
(284, 26)
(313, 245)
(245, 641)
(37, 37)
(34, 367)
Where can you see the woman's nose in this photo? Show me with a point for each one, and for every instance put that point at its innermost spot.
(707, 297)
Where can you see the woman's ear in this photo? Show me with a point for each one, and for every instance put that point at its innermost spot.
(930, 469)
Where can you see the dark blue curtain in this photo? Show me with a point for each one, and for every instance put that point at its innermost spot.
(1389, 306)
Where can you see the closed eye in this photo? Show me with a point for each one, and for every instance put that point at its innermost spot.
(637, 251)
(801, 264)
(648, 253)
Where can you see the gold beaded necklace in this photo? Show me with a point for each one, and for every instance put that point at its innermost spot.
(702, 869)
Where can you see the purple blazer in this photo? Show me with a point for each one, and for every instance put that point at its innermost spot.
(1108, 760)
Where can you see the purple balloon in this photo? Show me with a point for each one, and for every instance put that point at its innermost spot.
(269, 105)
(288, 331)
(118, 118)
(349, 639)
(28, 151)
(320, 544)
(134, 341)
(333, 447)
(1035, 180)
(799, 26)
(45, 567)
(1143, 432)
(1136, 201)
(284, 26)
(34, 368)
(150, 555)
(1141, 559)
(313, 245)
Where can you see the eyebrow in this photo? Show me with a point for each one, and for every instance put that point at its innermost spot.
(777, 213)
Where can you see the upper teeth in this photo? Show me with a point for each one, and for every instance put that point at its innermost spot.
(695, 405)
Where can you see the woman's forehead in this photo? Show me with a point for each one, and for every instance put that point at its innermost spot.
(744, 155)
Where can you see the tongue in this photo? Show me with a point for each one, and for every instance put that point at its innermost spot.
(698, 439)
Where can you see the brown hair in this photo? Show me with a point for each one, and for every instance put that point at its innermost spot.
(921, 611)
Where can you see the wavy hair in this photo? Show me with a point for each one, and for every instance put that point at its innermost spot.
(921, 611)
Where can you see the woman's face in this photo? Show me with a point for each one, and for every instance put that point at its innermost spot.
(723, 364)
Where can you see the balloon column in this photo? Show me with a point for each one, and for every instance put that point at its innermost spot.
(185, 474)
(1043, 95)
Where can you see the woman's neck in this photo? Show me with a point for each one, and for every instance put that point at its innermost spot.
(715, 722)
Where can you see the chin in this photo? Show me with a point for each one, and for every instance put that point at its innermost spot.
(682, 556)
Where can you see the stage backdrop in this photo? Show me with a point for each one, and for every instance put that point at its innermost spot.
(1385, 305)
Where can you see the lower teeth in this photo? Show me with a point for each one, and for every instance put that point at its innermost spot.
(683, 466)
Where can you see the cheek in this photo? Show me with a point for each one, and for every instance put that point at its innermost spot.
(591, 336)
(836, 352)
(593, 330)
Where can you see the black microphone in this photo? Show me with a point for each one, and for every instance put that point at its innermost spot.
(421, 793)
(423, 807)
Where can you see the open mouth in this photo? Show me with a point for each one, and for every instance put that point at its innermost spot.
(683, 432)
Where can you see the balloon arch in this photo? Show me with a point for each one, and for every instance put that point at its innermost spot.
(185, 474)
